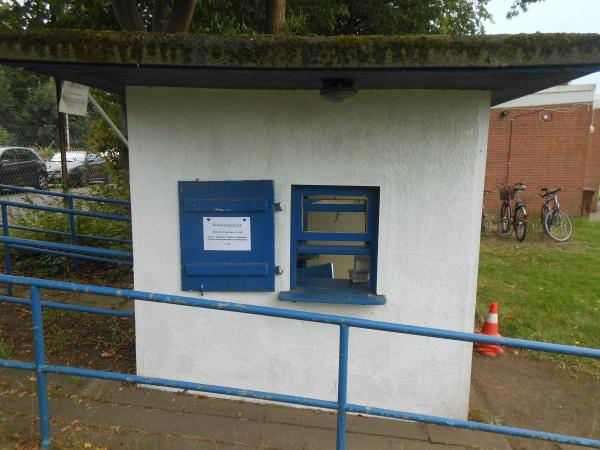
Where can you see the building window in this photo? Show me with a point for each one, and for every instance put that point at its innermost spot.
(334, 245)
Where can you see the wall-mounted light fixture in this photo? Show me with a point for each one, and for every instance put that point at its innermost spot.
(337, 91)
(545, 116)
(503, 113)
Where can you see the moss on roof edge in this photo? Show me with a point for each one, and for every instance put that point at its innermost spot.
(300, 52)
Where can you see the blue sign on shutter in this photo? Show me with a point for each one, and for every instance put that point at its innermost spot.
(238, 257)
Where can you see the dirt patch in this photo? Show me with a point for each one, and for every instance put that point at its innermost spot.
(537, 394)
(89, 272)
(71, 338)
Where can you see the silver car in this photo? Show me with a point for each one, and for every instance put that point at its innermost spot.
(82, 168)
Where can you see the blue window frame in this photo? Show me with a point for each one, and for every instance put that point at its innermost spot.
(334, 231)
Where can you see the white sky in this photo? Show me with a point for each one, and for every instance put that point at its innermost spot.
(549, 16)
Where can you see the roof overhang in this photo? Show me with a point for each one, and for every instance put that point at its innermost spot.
(509, 66)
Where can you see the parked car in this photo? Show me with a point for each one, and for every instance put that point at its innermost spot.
(82, 168)
(22, 167)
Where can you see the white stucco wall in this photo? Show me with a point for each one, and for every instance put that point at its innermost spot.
(426, 151)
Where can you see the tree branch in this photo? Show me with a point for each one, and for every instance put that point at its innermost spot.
(181, 16)
(128, 15)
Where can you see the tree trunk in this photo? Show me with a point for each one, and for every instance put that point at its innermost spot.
(275, 17)
(128, 15)
(181, 16)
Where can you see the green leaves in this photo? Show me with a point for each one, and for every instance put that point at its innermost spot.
(520, 5)
(329, 17)
(325, 17)
(5, 137)
(81, 14)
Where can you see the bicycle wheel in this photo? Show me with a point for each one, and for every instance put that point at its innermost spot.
(505, 215)
(558, 225)
(520, 223)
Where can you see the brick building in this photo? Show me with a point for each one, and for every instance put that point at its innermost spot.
(547, 139)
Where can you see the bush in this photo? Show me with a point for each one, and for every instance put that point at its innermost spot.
(5, 137)
(46, 152)
(45, 265)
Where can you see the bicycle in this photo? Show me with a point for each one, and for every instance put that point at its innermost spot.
(519, 219)
(555, 222)
(485, 221)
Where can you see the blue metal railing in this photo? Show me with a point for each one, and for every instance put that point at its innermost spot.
(74, 251)
(41, 368)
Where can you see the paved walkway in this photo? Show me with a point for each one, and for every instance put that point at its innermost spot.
(114, 415)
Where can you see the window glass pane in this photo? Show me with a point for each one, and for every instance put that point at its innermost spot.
(355, 269)
(344, 243)
(25, 155)
(9, 155)
(337, 214)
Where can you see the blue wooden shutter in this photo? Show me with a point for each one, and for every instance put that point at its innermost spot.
(221, 270)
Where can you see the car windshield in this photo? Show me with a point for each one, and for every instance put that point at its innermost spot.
(71, 156)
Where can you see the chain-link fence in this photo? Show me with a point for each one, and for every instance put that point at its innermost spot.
(29, 137)
(32, 158)
(45, 135)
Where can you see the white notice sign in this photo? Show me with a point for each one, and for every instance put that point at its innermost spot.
(73, 99)
(227, 233)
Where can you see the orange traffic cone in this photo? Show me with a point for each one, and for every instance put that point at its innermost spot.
(490, 327)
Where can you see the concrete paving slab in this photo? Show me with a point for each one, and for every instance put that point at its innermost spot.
(140, 441)
(468, 438)
(115, 415)
(121, 393)
(569, 447)
(448, 447)
(388, 427)
(301, 417)
(16, 424)
(362, 442)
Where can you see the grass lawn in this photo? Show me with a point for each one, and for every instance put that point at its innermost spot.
(546, 291)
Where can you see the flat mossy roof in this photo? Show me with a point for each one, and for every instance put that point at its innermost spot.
(301, 52)
(114, 60)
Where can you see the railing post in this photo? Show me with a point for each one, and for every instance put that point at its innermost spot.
(7, 259)
(342, 387)
(73, 230)
(39, 361)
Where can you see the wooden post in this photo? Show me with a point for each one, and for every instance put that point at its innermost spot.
(62, 138)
